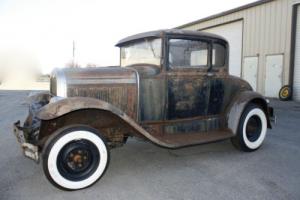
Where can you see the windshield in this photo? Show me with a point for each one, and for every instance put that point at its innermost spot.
(147, 51)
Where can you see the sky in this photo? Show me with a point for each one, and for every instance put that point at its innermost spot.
(39, 34)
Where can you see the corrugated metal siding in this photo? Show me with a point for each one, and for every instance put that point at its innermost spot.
(267, 30)
(297, 60)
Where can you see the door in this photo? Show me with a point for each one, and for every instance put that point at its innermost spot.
(250, 71)
(273, 81)
(187, 81)
(233, 33)
(216, 78)
(296, 89)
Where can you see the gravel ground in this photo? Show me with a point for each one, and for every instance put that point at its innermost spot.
(141, 170)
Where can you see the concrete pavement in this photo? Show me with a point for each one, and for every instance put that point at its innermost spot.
(141, 170)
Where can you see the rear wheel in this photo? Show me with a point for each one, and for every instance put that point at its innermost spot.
(252, 129)
(75, 157)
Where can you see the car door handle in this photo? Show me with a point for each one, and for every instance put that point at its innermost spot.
(209, 74)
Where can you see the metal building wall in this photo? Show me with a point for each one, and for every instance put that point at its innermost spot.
(266, 30)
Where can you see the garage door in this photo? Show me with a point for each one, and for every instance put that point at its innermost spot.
(233, 32)
(296, 89)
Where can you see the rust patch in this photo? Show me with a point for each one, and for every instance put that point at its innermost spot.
(123, 96)
(108, 124)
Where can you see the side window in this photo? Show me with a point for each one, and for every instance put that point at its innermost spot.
(188, 53)
(218, 55)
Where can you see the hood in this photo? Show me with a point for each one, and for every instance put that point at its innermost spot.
(115, 85)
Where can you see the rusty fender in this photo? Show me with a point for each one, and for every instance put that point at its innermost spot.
(236, 108)
(69, 105)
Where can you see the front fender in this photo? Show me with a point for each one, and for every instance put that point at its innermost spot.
(68, 105)
(239, 103)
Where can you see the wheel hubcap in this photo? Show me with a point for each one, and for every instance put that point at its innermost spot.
(253, 128)
(285, 93)
(78, 160)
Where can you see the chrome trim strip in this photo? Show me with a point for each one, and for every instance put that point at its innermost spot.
(61, 83)
(138, 92)
(101, 81)
(104, 76)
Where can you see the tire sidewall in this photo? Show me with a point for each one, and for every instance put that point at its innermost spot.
(245, 143)
(57, 141)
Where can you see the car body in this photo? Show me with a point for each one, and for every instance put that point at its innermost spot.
(172, 88)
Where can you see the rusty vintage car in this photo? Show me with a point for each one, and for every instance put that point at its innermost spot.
(172, 88)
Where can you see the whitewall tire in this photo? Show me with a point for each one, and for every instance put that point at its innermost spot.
(252, 129)
(75, 157)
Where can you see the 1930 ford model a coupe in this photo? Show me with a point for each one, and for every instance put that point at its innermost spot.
(172, 88)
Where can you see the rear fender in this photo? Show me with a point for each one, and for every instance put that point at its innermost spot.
(238, 105)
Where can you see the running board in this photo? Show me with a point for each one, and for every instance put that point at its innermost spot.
(175, 141)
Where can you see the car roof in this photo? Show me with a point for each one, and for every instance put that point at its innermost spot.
(161, 33)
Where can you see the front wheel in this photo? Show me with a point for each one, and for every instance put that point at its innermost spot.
(75, 157)
(252, 129)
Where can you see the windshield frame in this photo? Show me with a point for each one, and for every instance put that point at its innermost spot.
(162, 43)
